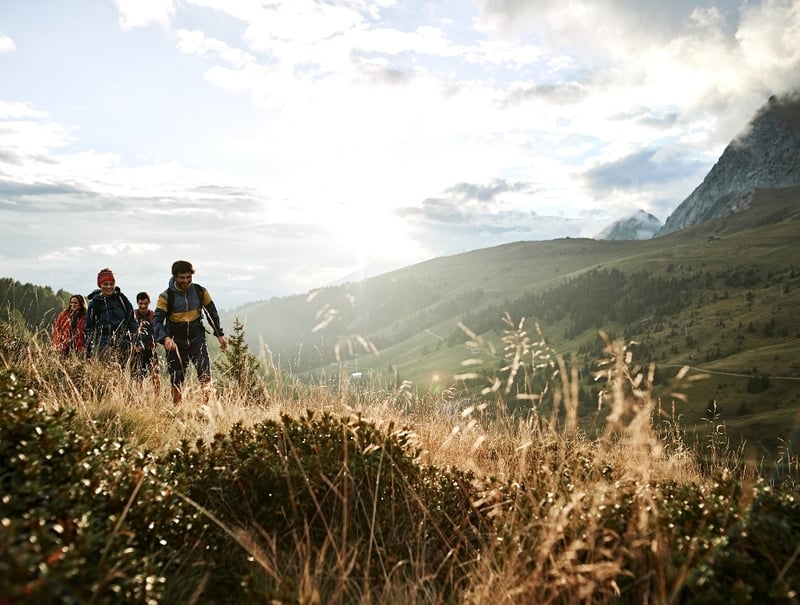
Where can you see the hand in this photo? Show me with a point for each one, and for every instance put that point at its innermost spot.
(223, 342)
(169, 344)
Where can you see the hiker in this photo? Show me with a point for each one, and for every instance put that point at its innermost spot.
(146, 360)
(69, 325)
(178, 325)
(110, 331)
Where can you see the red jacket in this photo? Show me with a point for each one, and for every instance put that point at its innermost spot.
(67, 336)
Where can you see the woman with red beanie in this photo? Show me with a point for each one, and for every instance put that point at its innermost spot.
(111, 329)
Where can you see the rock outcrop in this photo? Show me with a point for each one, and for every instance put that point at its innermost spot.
(767, 154)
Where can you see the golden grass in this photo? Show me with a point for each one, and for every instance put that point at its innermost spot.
(562, 552)
(109, 402)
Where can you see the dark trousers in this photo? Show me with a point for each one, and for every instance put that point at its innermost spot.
(114, 352)
(146, 361)
(178, 361)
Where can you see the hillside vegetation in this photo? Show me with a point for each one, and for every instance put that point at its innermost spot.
(284, 492)
(721, 298)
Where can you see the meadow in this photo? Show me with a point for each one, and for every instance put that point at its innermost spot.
(283, 491)
(720, 297)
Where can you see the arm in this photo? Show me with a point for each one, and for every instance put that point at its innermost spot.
(88, 328)
(213, 318)
(160, 320)
(58, 330)
(132, 323)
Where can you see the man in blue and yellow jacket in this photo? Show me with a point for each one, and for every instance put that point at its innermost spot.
(178, 325)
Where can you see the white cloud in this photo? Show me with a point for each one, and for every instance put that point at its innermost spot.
(196, 43)
(290, 142)
(12, 110)
(6, 45)
(769, 39)
(139, 13)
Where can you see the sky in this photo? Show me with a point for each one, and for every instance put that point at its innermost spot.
(285, 145)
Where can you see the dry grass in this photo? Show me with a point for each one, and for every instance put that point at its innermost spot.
(556, 546)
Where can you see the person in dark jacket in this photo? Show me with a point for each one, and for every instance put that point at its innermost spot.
(178, 325)
(110, 330)
(146, 360)
(68, 330)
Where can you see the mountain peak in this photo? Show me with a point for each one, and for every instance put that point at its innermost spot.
(641, 225)
(764, 155)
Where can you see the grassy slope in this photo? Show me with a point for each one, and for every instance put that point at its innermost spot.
(718, 321)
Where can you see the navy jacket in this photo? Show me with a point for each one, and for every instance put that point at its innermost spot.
(109, 321)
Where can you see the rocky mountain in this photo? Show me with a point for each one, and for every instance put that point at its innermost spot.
(765, 155)
(641, 225)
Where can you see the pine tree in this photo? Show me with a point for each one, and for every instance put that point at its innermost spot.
(239, 367)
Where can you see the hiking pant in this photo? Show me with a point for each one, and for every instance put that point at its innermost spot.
(178, 360)
(115, 352)
(145, 361)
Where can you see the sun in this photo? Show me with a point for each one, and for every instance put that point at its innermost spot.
(375, 238)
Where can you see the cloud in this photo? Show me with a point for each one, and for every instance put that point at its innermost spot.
(16, 110)
(640, 170)
(361, 128)
(28, 139)
(769, 39)
(561, 93)
(197, 43)
(605, 25)
(461, 231)
(714, 64)
(11, 190)
(468, 216)
(139, 13)
(464, 203)
(486, 193)
(6, 45)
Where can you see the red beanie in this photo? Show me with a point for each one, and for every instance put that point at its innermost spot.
(104, 276)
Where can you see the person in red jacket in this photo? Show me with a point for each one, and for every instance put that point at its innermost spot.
(69, 326)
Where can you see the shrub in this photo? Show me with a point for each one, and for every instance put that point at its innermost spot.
(65, 496)
(322, 483)
(324, 509)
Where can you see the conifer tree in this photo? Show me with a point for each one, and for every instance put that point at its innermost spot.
(239, 367)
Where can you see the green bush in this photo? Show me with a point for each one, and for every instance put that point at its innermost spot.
(322, 481)
(63, 495)
(747, 545)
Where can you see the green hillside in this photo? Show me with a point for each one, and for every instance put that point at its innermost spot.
(722, 296)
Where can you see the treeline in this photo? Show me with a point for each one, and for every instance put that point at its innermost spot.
(30, 305)
(594, 300)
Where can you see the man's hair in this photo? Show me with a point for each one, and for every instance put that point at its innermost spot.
(181, 266)
(142, 296)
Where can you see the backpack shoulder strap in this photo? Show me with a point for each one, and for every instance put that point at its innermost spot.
(203, 311)
(126, 304)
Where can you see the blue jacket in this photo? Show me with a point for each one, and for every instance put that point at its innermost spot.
(179, 314)
(109, 321)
